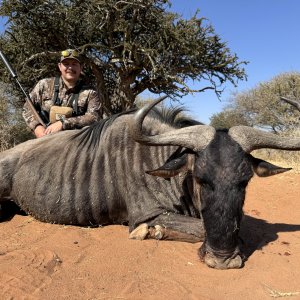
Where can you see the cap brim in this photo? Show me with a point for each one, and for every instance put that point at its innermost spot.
(74, 58)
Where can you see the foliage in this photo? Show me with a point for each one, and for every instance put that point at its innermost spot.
(262, 106)
(228, 118)
(128, 46)
(12, 126)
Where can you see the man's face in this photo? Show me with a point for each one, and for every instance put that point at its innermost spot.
(70, 70)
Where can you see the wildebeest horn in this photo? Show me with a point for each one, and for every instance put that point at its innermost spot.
(193, 137)
(251, 139)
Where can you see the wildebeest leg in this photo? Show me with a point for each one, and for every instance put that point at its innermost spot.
(171, 227)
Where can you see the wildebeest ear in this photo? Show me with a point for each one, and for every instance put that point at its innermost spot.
(264, 169)
(171, 168)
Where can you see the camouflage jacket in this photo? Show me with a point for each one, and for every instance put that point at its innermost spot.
(42, 95)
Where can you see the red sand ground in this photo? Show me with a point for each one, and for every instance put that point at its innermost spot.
(45, 261)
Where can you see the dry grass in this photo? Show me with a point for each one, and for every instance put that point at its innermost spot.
(276, 294)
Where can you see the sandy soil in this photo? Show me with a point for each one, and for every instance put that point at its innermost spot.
(45, 261)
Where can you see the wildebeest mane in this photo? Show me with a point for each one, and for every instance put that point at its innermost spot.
(174, 116)
(90, 136)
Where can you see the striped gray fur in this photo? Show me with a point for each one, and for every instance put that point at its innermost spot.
(74, 178)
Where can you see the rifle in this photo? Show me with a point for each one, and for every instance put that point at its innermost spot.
(28, 100)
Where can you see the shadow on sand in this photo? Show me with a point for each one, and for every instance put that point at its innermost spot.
(8, 210)
(257, 233)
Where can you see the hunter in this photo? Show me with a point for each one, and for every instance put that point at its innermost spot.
(64, 101)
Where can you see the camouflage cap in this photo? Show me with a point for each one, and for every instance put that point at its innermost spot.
(70, 53)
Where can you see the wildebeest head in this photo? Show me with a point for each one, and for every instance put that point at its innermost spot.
(222, 167)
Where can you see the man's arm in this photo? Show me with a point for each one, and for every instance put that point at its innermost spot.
(28, 116)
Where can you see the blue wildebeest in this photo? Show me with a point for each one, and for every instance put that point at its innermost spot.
(184, 184)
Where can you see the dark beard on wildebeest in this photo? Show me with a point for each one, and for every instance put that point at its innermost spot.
(167, 180)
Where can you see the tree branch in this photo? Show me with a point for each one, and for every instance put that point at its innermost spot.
(291, 102)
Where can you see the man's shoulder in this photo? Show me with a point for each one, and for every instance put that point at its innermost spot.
(87, 87)
(46, 82)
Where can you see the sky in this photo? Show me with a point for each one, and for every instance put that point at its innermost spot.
(266, 33)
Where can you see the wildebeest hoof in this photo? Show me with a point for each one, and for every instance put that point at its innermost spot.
(159, 232)
(139, 233)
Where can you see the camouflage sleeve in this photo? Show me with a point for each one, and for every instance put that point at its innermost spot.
(27, 113)
(91, 115)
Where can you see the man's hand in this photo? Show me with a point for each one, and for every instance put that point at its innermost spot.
(55, 127)
(39, 131)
